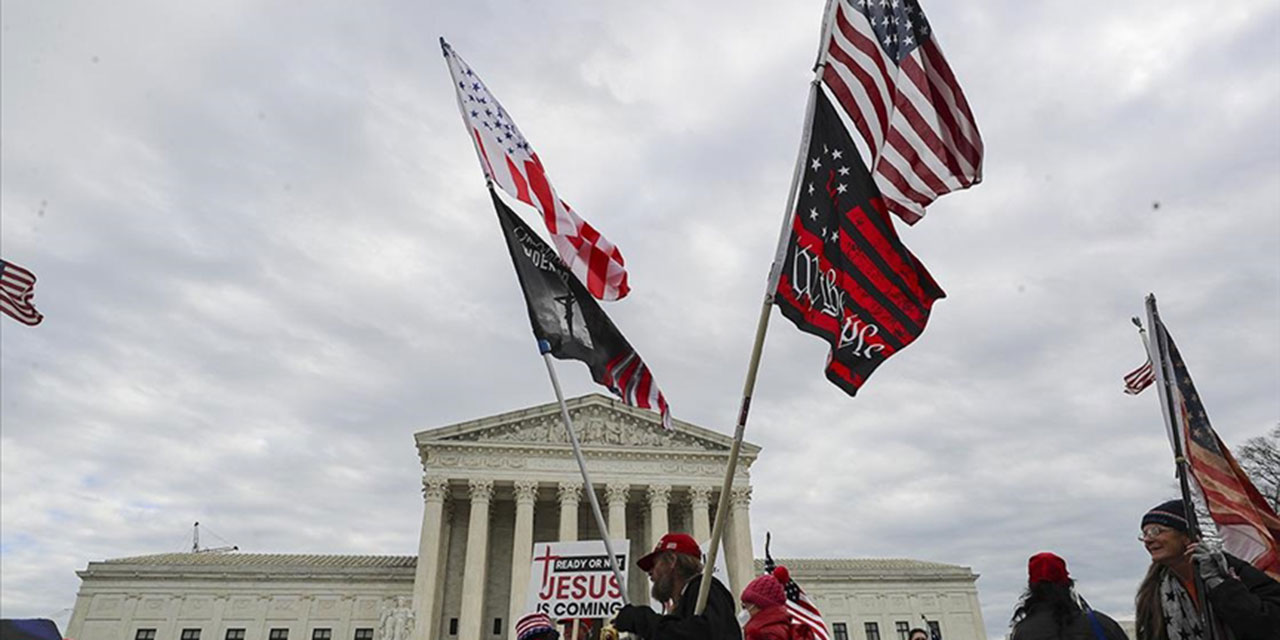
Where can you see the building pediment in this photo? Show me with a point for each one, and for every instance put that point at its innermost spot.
(599, 422)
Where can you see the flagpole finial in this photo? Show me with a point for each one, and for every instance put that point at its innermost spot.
(1137, 322)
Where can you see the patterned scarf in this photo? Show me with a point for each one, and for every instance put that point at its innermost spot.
(1182, 620)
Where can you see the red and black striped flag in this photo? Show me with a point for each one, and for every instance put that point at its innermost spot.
(568, 322)
(1249, 527)
(846, 277)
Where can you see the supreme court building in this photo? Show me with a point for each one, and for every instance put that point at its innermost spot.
(491, 488)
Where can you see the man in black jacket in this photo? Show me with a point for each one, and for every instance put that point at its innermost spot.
(675, 569)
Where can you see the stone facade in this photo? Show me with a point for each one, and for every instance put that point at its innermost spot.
(246, 596)
(491, 488)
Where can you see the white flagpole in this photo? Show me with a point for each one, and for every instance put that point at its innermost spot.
(545, 348)
(762, 323)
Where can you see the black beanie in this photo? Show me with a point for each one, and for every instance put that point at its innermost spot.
(1172, 514)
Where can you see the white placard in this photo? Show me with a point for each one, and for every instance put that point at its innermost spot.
(575, 579)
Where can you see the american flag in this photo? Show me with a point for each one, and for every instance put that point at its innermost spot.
(1139, 379)
(510, 163)
(16, 291)
(918, 136)
(1249, 526)
(802, 609)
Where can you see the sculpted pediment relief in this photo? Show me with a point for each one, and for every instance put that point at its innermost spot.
(594, 424)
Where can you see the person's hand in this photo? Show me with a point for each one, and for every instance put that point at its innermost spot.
(1210, 564)
(630, 618)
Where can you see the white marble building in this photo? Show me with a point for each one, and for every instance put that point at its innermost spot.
(491, 488)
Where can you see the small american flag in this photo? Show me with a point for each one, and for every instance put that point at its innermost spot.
(804, 613)
(1139, 379)
(511, 163)
(918, 136)
(16, 290)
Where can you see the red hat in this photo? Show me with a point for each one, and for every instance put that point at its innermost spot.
(764, 592)
(674, 542)
(1047, 567)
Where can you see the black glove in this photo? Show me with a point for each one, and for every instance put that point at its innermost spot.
(1210, 564)
(631, 617)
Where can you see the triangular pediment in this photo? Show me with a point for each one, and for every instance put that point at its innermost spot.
(599, 421)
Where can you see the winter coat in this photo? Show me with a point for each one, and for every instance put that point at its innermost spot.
(717, 622)
(1040, 625)
(1248, 604)
(774, 623)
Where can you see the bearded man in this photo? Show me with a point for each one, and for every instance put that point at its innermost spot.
(675, 569)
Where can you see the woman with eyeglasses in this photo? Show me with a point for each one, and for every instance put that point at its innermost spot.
(1243, 599)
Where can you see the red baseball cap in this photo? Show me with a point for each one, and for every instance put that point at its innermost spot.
(675, 542)
(1047, 567)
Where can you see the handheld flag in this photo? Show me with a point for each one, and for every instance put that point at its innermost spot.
(886, 70)
(17, 287)
(846, 277)
(804, 612)
(569, 324)
(1249, 527)
(1139, 379)
(509, 162)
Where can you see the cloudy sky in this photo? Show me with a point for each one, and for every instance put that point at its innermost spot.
(266, 258)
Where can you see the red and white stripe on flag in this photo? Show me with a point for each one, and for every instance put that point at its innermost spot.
(915, 130)
(512, 164)
(16, 290)
(1248, 526)
(629, 377)
(803, 612)
(1139, 379)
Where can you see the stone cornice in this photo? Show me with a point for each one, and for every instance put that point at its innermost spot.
(602, 423)
(819, 570)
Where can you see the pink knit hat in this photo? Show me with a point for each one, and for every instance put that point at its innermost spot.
(765, 591)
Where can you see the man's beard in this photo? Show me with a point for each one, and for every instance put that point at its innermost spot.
(664, 588)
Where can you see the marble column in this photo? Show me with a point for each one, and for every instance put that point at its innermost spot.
(526, 493)
(470, 620)
(435, 625)
(425, 597)
(659, 498)
(742, 563)
(700, 504)
(616, 494)
(570, 495)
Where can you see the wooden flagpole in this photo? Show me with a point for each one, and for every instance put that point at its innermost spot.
(545, 348)
(762, 323)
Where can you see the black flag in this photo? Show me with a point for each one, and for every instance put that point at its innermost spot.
(568, 322)
(846, 276)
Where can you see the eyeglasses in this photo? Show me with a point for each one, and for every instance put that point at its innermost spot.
(1151, 532)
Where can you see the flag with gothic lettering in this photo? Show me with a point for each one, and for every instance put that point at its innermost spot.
(846, 276)
(569, 324)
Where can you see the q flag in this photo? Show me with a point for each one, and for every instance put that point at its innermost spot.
(569, 324)
(846, 276)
